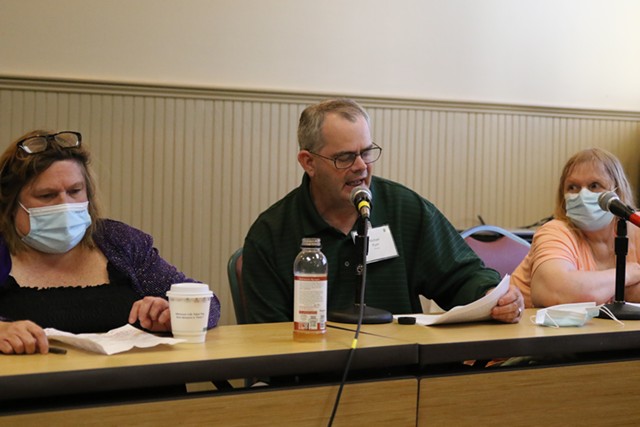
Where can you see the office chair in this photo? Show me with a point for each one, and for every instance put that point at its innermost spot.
(498, 248)
(234, 272)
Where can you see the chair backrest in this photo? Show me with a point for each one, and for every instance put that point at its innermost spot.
(234, 272)
(498, 248)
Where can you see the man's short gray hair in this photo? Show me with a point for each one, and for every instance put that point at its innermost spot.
(312, 118)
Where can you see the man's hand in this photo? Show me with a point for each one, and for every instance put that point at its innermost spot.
(510, 306)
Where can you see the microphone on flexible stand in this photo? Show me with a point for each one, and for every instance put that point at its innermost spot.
(361, 198)
(610, 202)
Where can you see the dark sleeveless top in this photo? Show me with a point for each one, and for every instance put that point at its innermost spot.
(72, 309)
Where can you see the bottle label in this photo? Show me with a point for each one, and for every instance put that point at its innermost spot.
(310, 303)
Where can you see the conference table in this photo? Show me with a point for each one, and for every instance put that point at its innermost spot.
(400, 375)
(586, 375)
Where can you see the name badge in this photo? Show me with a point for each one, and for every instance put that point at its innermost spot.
(381, 244)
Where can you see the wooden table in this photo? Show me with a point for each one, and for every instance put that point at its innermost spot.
(522, 395)
(592, 377)
(82, 387)
(487, 340)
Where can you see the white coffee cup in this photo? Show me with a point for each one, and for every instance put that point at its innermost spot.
(189, 306)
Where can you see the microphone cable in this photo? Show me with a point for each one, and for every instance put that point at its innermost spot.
(354, 343)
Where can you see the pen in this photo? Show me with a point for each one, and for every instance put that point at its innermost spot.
(57, 350)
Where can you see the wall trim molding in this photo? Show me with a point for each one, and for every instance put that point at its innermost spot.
(193, 92)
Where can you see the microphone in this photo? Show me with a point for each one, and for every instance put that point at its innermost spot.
(361, 199)
(609, 201)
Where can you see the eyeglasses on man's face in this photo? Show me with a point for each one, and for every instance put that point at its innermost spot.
(346, 160)
(39, 143)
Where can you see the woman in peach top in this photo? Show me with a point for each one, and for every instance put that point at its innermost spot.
(572, 257)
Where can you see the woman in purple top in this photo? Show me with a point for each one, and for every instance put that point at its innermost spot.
(61, 264)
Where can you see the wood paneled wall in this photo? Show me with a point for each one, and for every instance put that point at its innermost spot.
(194, 167)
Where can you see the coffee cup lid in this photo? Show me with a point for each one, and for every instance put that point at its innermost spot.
(199, 289)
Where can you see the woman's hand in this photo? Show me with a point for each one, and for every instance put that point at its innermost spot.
(22, 337)
(152, 313)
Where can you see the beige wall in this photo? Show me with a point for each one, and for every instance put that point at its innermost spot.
(563, 53)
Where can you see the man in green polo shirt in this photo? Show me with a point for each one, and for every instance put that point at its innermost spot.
(430, 258)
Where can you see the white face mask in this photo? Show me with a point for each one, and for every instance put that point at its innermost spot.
(562, 315)
(57, 229)
(585, 212)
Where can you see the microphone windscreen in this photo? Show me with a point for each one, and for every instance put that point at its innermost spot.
(604, 199)
(359, 193)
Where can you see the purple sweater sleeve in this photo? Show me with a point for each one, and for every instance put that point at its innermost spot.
(132, 252)
(5, 261)
(5, 266)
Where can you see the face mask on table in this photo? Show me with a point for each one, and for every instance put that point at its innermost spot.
(576, 314)
(57, 229)
(583, 210)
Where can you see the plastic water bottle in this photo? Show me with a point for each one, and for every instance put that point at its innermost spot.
(310, 290)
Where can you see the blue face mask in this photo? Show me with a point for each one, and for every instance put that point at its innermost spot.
(572, 314)
(57, 229)
(583, 210)
(576, 314)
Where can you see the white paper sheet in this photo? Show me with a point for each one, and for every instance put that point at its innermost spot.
(115, 341)
(476, 311)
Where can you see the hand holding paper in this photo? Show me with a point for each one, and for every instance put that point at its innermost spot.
(476, 311)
